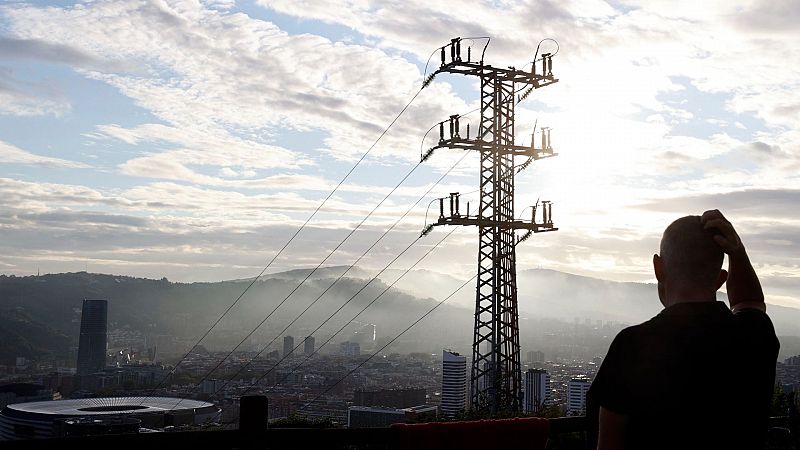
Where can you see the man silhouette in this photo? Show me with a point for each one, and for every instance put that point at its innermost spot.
(698, 374)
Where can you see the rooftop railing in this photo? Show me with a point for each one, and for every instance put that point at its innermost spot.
(566, 433)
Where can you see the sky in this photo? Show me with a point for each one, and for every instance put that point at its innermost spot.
(191, 139)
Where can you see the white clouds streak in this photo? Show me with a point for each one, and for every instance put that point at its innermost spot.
(216, 72)
(11, 154)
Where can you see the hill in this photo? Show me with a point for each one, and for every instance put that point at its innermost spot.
(40, 315)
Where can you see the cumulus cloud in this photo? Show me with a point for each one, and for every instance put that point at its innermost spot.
(769, 17)
(209, 177)
(753, 203)
(235, 73)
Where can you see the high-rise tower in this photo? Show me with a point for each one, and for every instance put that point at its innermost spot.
(454, 383)
(577, 388)
(308, 345)
(537, 390)
(288, 346)
(92, 341)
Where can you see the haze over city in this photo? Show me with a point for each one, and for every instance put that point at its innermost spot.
(363, 213)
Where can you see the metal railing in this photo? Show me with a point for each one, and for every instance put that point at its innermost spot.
(566, 433)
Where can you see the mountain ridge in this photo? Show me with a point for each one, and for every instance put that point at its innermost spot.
(51, 306)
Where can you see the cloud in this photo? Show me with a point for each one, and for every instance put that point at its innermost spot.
(199, 147)
(41, 50)
(167, 166)
(11, 154)
(769, 17)
(19, 97)
(146, 234)
(61, 218)
(615, 57)
(218, 209)
(749, 203)
(238, 75)
(210, 173)
(219, 4)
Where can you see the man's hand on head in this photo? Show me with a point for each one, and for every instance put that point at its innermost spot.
(744, 289)
(724, 233)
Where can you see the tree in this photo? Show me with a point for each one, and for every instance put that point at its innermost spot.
(780, 402)
(297, 421)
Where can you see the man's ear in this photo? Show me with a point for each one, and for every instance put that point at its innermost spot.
(723, 277)
(658, 267)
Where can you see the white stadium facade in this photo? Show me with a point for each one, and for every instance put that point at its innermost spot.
(36, 420)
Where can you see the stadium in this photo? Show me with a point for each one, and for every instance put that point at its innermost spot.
(46, 419)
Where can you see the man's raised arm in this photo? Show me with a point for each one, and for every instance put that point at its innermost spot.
(744, 289)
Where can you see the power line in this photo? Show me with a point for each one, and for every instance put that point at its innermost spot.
(413, 169)
(385, 233)
(247, 336)
(351, 320)
(354, 317)
(227, 310)
(342, 306)
(225, 358)
(390, 342)
(312, 272)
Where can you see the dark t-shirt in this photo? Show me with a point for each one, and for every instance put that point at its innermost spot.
(694, 376)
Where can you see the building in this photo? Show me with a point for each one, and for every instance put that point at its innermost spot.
(393, 398)
(38, 420)
(379, 417)
(537, 390)
(536, 357)
(62, 381)
(576, 395)
(211, 386)
(25, 392)
(351, 349)
(454, 383)
(92, 341)
(308, 345)
(91, 426)
(373, 416)
(288, 346)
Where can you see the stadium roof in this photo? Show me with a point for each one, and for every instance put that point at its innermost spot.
(107, 406)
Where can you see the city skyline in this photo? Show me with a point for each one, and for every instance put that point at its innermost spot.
(339, 386)
(256, 215)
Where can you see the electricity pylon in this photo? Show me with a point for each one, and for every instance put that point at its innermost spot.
(496, 377)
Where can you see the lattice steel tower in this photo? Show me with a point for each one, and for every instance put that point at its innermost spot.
(496, 378)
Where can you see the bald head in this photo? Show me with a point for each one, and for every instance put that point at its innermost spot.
(690, 254)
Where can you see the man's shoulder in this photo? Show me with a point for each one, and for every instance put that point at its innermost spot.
(636, 336)
(756, 329)
(646, 327)
(631, 334)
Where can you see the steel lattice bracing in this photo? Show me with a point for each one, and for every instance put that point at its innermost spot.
(496, 378)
